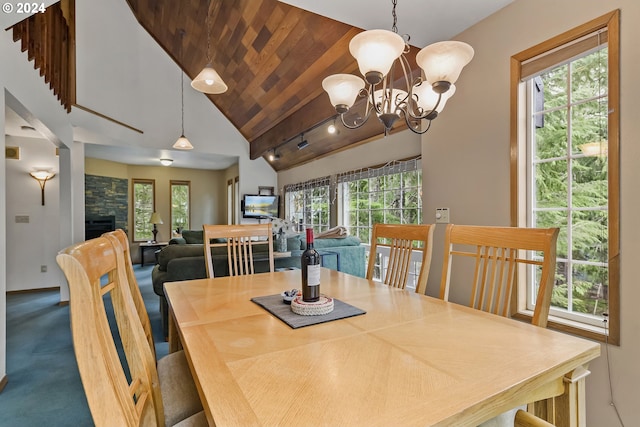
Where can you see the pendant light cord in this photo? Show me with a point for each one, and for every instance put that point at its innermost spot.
(394, 27)
(182, 99)
(207, 23)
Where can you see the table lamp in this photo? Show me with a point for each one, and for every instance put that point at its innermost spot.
(155, 219)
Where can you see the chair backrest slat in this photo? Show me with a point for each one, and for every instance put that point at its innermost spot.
(239, 241)
(402, 240)
(497, 261)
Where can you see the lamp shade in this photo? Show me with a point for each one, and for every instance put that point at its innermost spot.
(155, 218)
(183, 144)
(343, 90)
(375, 51)
(443, 61)
(166, 162)
(209, 81)
(427, 97)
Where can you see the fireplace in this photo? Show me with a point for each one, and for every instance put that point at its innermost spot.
(95, 226)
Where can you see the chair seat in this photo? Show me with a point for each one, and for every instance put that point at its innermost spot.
(179, 393)
(197, 420)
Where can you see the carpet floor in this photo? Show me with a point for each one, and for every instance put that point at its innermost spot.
(44, 387)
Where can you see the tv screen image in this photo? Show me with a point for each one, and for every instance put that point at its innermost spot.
(260, 206)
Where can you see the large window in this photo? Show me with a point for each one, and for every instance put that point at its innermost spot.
(180, 205)
(143, 206)
(308, 204)
(390, 194)
(567, 165)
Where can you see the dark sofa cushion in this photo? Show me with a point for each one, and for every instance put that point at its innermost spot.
(192, 236)
(332, 243)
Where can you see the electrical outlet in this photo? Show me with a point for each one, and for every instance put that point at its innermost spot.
(22, 219)
(442, 215)
(43, 269)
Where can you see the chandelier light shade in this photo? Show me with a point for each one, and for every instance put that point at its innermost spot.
(166, 162)
(376, 51)
(343, 89)
(379, 54)
(209, 81)
(443, 61)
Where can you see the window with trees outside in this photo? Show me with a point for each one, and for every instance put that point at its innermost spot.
(180, 205)
(143, 195)
(390, 194)
(308, 204)
(566, 170)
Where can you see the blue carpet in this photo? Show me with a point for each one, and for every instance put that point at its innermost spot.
(44, 387)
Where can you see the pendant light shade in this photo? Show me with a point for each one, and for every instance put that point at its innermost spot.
(209, 81)
(375, 51)
(443, 61)
(183, 143)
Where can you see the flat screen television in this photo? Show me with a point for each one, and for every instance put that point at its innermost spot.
(260, 206)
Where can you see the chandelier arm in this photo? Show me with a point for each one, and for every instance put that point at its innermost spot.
(419, 132)
(355, 126)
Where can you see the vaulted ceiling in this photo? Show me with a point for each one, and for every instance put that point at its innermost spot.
(273, 57)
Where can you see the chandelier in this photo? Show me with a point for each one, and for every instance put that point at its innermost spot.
(423, 98)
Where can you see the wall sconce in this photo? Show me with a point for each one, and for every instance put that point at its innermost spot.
(155, 219)
(42, 176)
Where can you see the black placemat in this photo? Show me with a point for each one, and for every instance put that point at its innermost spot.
(274, 305)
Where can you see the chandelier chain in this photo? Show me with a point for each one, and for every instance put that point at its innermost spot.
(394, 27)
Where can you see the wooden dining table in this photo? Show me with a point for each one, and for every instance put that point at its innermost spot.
(409, 360)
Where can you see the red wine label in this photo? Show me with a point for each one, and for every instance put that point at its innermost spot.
(313, 275)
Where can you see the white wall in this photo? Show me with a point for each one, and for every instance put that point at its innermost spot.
(467, 155)
(36, 243)
(3, 256)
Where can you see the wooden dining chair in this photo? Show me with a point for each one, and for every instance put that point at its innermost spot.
(399, 242)
(498, 254)
(525, 419)
(240, 242)
(120, 394)
(173, 368)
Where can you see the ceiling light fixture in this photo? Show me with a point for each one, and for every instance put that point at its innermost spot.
(274, 155)
(421, 98)
(166, 162)
(182, 143)
(208, 80)
(303, 142)
(42, 176)
(332, 129)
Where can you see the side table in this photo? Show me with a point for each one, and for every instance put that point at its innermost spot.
(146, 245)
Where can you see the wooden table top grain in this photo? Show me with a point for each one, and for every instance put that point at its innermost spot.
(410, 360)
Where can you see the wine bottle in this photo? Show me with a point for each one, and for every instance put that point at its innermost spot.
(310, 264)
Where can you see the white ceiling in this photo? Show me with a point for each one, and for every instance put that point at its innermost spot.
(425, 21)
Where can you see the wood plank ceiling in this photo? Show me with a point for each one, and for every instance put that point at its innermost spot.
(273, 57)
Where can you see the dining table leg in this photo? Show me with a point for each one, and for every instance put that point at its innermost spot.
(174, 338)
(570, 407)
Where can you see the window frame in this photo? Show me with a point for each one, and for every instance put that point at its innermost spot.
(188, 185)
(135, 181)
(610, 331)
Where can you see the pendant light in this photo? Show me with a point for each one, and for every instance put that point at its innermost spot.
(182, 143)
(208, 80)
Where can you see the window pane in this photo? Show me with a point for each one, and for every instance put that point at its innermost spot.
(589, 236)
(555, 218)
(589, 289)
(590, 76)
(180, 201)
(555, 83)
(551, 184)
(143, 205)
(588, 124)
(551, 139)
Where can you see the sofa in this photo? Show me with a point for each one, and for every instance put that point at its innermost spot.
(183, 259)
